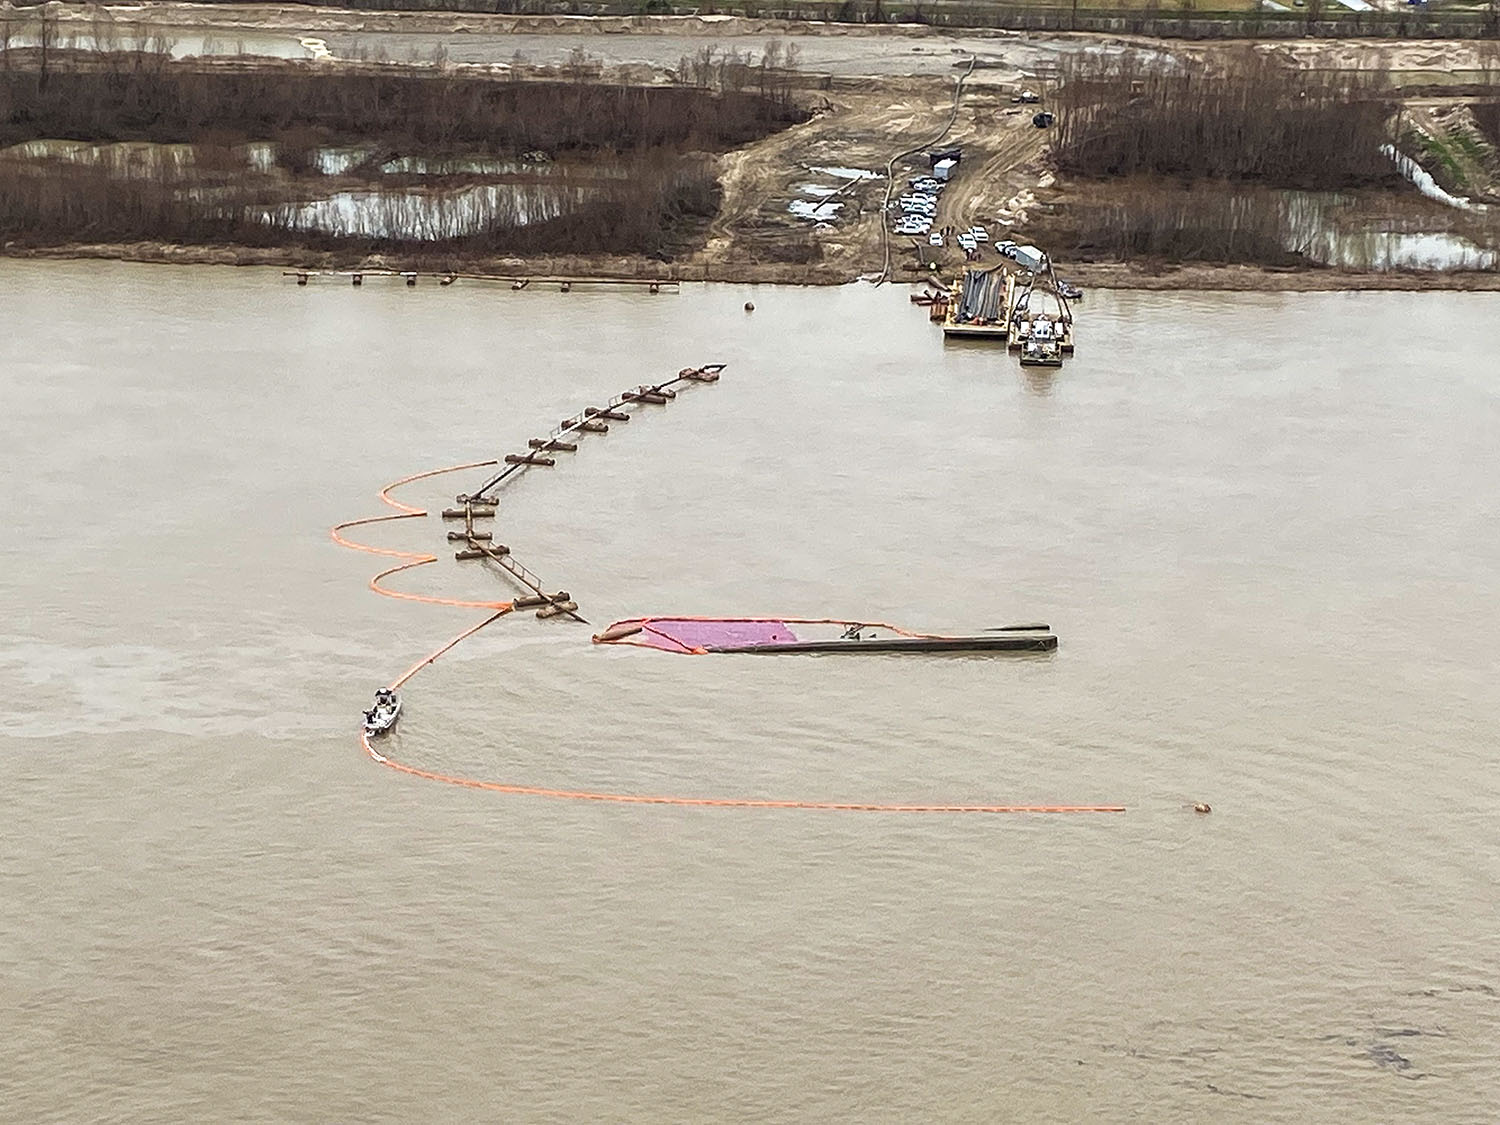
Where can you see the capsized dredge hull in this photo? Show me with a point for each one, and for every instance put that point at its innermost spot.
(775, 637)
(990, 642)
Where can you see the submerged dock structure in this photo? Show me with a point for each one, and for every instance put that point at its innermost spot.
(515, 281)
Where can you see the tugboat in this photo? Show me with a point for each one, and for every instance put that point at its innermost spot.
(382, 717)
(1041, 353)
(1042, 345)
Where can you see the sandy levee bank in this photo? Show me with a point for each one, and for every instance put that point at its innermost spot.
(291, 17)
(849, 49)
(581, 268)
(1137, 276)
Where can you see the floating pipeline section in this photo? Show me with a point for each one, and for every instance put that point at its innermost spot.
(980, 296)
(477, 506)
(410, 277)
(590, 420)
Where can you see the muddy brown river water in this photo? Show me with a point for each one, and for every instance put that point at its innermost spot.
(1263, 527)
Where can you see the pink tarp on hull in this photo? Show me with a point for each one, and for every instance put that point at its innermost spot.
(677, 634)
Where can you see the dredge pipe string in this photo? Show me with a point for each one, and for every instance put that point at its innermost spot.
(579, 424)
(890, 169)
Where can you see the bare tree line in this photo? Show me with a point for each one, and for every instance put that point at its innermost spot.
(734, 71)
(1145, 220)
(139, 96)
(1252, 120)
(655, 209)
(638, 181)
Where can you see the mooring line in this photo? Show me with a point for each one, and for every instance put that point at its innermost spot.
(432, 657)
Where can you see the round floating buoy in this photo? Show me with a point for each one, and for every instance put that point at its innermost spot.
(749, 306)
(1203, 807)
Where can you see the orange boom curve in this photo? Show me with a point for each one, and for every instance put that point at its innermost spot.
(501, 609)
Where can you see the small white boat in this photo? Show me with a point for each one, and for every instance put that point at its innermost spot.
(382, 717)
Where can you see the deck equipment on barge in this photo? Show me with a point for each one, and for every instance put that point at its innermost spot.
(978, 304)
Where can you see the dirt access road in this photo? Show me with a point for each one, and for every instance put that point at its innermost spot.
(658, 42)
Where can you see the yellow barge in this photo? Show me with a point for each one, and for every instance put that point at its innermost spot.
(979, 304)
